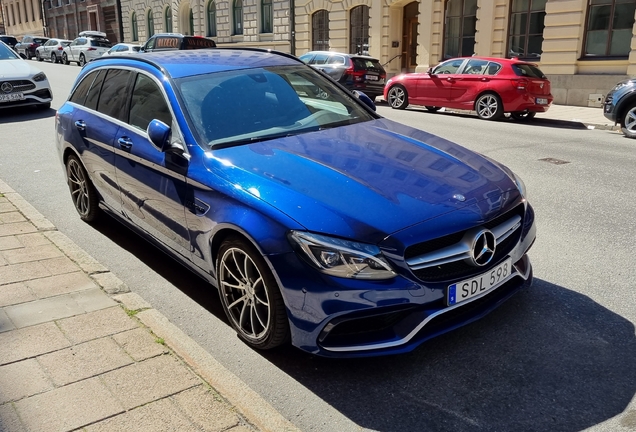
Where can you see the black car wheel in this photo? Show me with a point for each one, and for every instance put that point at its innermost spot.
(489, 107)
(250, 295)
(398, 97)
(65, 59)
(628, 122)
(432, 108)
(523, 116)
(82, 60)
(53, 58)
(82, 190)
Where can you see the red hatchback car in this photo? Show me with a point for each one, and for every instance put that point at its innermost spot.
(489, 86)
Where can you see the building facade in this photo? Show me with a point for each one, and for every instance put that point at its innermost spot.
(66, 18)
(254, 23)
(22, 17)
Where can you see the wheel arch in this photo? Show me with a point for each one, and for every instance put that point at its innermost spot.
(623, 105)
(488, 91)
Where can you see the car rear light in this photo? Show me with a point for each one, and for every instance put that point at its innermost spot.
(60, 48)
(519, 84)
(31, 45)
(91, 49)
(358, 76)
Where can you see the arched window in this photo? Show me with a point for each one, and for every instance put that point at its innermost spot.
(608, 32)
(320, 30)
(151, 24)
(134, 30)
(460, 27)
(525, 34)
(267, 16)
(212, 18)
(168, 19)
(237, 14)
(191, 22)
(359, 31)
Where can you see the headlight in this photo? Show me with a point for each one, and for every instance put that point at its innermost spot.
(39, 77)
(521, 186)
(343, 258)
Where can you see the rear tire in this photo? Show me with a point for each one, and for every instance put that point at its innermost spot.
(37, 56)
(489, 107)
(82, 60)
(83, 192)
(628, 122)
(398, 97)
(53, 58)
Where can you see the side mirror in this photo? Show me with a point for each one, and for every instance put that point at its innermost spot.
(364, 98)
(159, 134)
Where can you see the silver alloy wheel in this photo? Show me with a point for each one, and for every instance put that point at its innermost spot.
(244, 293)
(397, 97)
(630, 120)
(487, 106)
(79, 187)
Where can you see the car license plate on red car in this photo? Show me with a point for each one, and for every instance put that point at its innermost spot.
(542, 101)
(11, 97)
(462, 291)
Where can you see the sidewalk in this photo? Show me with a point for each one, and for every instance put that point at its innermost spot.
(79, 351)
(591, 117)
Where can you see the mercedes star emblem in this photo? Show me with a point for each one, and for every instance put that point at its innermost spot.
(6, 87)
(483, 248)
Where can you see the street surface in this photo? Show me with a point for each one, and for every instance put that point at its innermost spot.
(558, 357)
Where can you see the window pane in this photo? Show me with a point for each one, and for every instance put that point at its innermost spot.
(93, 93)
(534, 46)
(112, 100)
(536, 23)
(452, 27)
(516, 46)
(470, 26)
(451, 47)
(600, 18)
(79, 95)
(596, 43)
(475, 67)
(520, 5)
(468, 46)
(148, 104)
(621, 40)
(538, 5)
(624, 16)
(518, 23)
(493, 68)
(470, 7)
(454, 8)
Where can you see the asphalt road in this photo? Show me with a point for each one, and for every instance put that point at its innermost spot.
(558, 357)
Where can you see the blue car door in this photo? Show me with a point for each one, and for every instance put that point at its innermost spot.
(152, 182)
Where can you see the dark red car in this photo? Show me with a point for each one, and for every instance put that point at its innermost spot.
(489, 86)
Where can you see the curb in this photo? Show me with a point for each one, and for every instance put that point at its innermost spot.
(238, 394)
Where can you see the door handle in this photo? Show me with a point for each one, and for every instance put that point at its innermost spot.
(125, 143)
(80, 125)
(485, 79)
(450, 79)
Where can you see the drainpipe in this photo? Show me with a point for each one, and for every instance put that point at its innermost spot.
(121, 22)
(45, 24)
(292, 26)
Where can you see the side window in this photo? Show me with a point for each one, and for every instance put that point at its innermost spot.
(147, 104)
(306, 58)
(112, 100)
(449, 67)
(93, 93)
(475, 67)
(79, 95)
(150, 45)
(320, 59)
(336, 60)
(493, 68)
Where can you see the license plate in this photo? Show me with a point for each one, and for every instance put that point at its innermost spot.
(542, 101)
(462, 291)
(372, 77)
(11, 97)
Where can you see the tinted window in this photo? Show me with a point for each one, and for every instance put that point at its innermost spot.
(197, 43)
(366, 64)
(148, 104)
(7, 53)
(320, 59)
(305, 58)
(79, 95)
(93, 93)
(112, 99)
(527, 70)
(493, 68)
(103, 43)
(39, 40)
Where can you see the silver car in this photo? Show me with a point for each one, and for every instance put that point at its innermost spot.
(21, 83)
(88, 46)
(123, 48)
(52, 50)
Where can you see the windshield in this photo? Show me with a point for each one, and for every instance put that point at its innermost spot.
(244, 106)
(7, 53)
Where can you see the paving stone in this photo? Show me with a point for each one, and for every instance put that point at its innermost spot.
(54, 308)
(84, 261)
(84, 361)
(69, 407)
(15, 293)
(61, 265)
(206, 409)
(34, 216)
(6, 207)
(98, 324)
(3, 262)
(9, 420)
(139, 344)
(159, 416)
(22, 272)
(22, 379)
(60, 284)
(241, 428)
(11, 217)
(5, 188)
(17, 228)
(33, 239)
(110, 283)
(149, 380)
(132, 301)
(10, 242)
(30, 342)
(34, 253)
(5, 322)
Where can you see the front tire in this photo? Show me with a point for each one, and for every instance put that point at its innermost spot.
(628, 122)
(82, 60)
(489, 107)
(398, 97)
(250, 295)
(83, 192)
(65, 59)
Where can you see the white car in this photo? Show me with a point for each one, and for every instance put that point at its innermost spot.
(88, 46)
(123, 48)
(21, 83)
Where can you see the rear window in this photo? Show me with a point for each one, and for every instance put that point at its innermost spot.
(366, 64)
(197, 43)
(10, 40)
(66, 43)
(136, 48)
(102, 43)
(527, 70)
(39, 40)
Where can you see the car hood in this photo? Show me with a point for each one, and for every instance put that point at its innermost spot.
(364, 181)
(15, 69)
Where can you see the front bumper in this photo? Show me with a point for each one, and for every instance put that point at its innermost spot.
(39, 94)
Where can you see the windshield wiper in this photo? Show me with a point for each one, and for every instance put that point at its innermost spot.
(255, 139)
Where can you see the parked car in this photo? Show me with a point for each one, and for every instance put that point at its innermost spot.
(354, 71)
(122, 49)
(26, 47)
(52, 50)
(21, 83)
(176, 41)
(619, 106)
(88, 46)
(490, 86)
(318, 220)
(11, 41)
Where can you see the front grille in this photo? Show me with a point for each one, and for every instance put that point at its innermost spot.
(42, 94)
(460, 269)
(20, 85)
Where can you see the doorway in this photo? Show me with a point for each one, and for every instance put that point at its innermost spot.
(409, 37)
